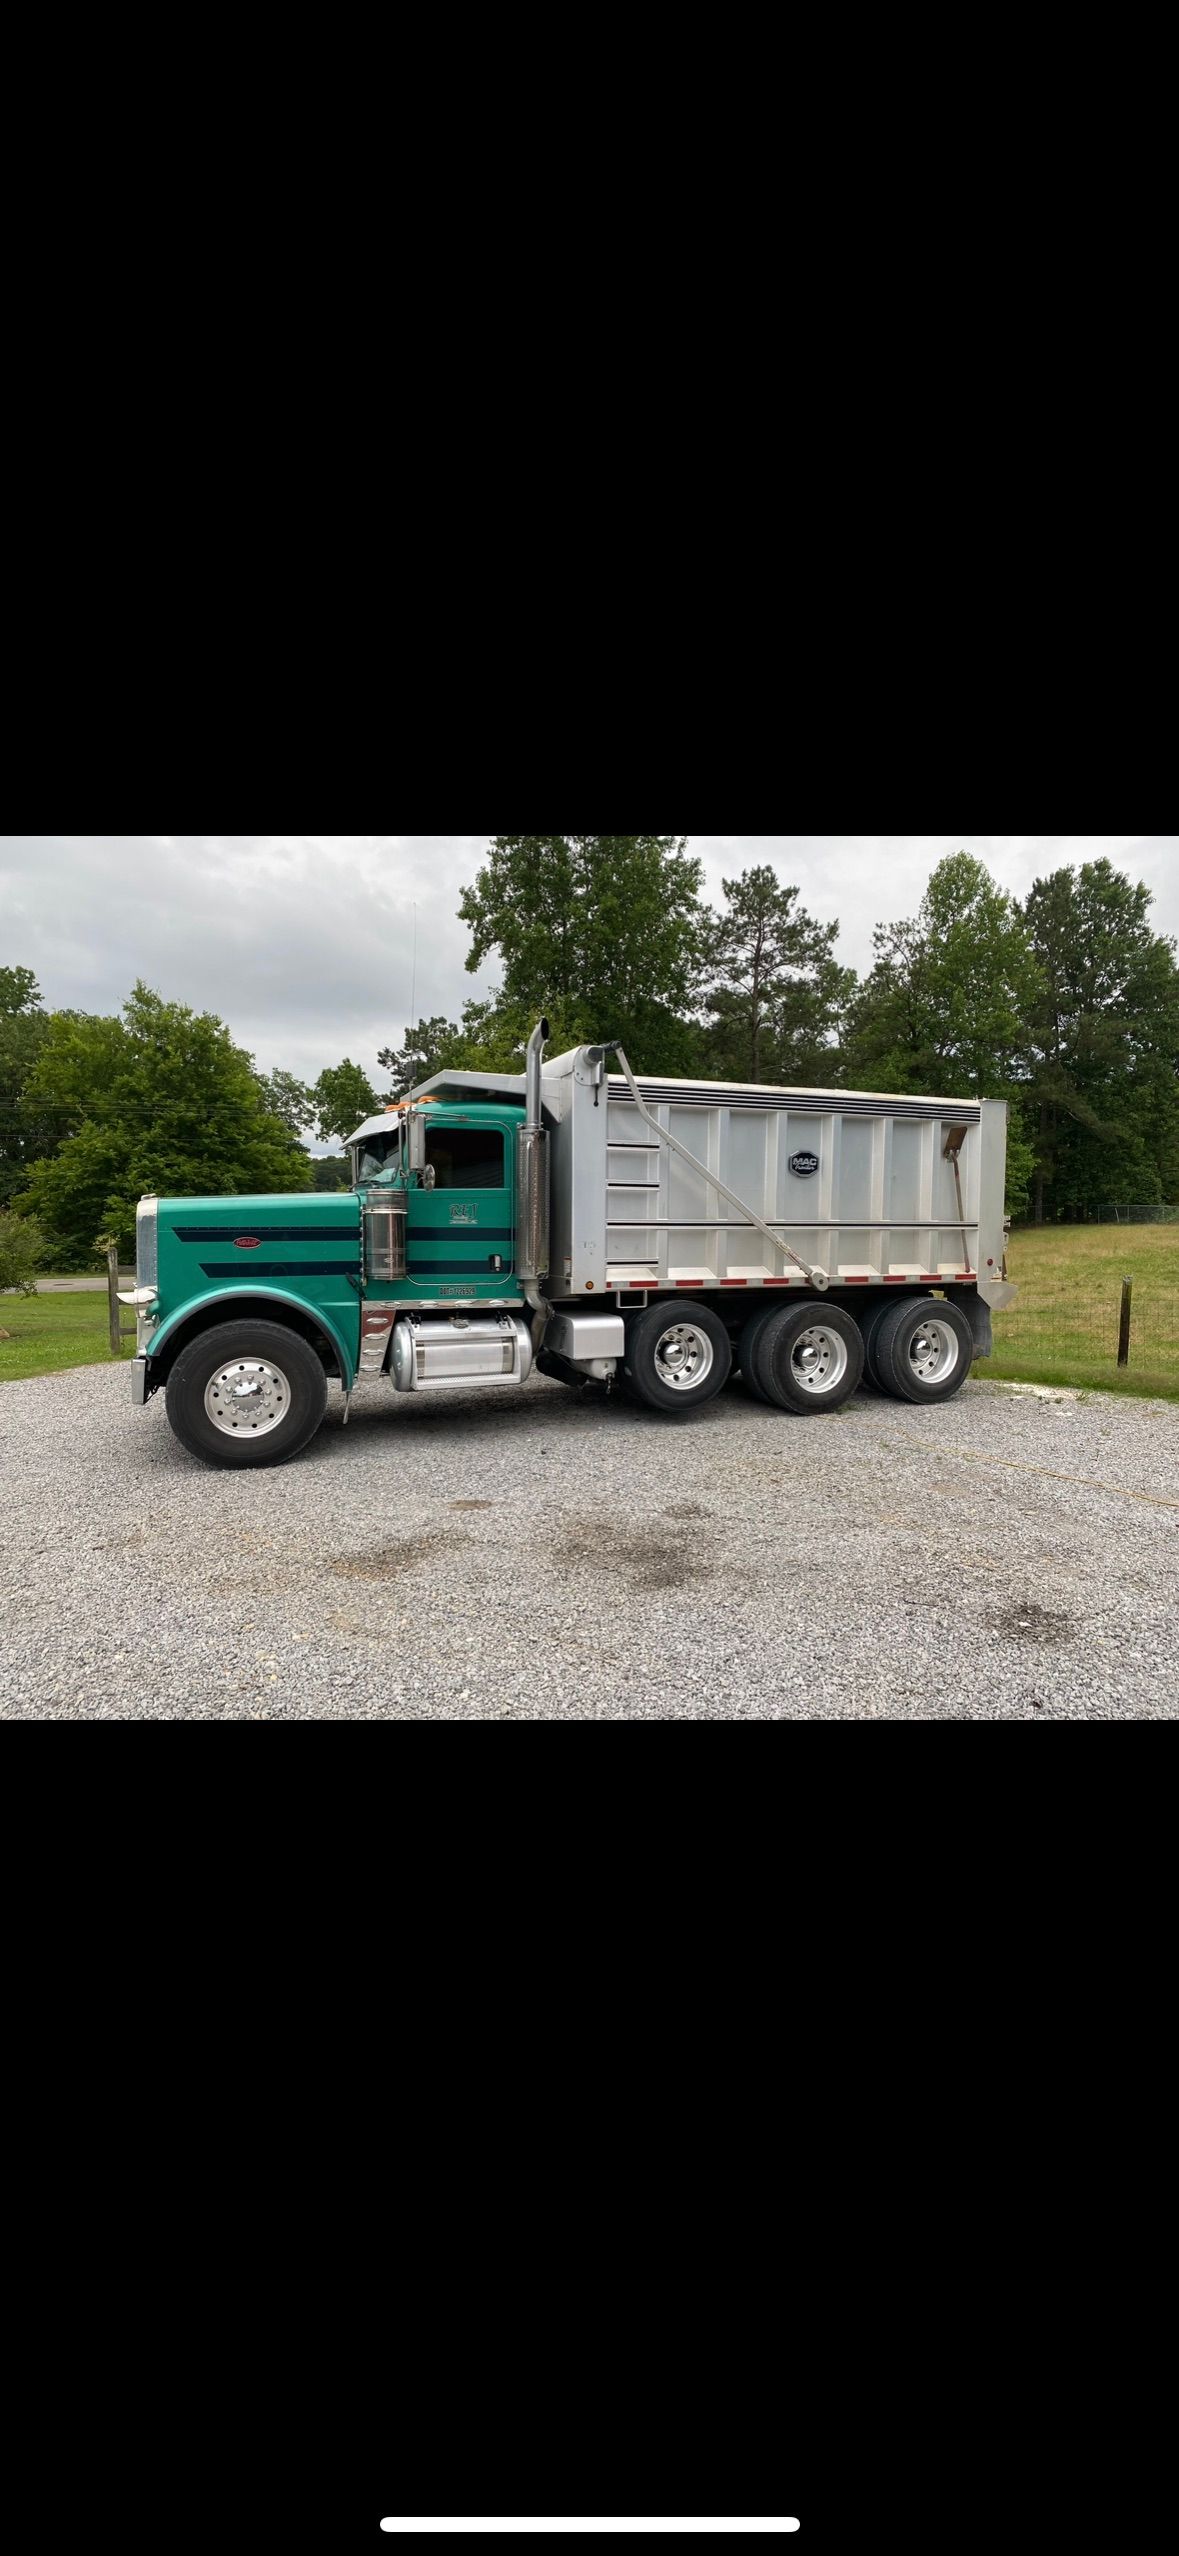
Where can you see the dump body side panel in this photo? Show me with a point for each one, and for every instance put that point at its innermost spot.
(857, 1183)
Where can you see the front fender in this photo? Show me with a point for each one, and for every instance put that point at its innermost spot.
(231, 1298)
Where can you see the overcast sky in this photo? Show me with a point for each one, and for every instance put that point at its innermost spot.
(303, 942)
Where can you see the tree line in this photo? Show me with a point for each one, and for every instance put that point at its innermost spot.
(1064, 1003)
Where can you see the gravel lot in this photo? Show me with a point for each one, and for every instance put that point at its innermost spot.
(523, 1555)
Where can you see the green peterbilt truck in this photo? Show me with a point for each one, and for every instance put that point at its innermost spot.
(653, 1235)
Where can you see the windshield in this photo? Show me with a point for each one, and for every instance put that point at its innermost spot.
(377, 1154)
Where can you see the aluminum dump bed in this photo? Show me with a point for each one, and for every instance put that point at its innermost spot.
(859, 1184)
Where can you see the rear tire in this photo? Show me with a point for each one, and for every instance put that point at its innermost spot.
(869, 1330)
(923, 1349)
(747, 1348)
(810, 1357)
(246, 1394)
(677, 1356)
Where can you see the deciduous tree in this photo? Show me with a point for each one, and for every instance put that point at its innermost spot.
(290, 1100)
(343, 1098)
(604, 932)
(160, 1100)
(1104, 1042)
(946, 1008)
(22, 1254)
(424, 1051)
(25, 1131)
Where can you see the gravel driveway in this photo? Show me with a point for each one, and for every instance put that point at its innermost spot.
(522, 1555)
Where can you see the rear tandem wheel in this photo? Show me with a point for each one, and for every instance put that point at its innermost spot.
(923, 1349)
(808, 1357)
(677, 1356)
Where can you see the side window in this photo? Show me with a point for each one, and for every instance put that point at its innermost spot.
(466, 1157)
(376, 1154)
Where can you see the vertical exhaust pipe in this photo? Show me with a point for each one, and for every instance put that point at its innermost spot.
(533, 1054)
(532, 1186)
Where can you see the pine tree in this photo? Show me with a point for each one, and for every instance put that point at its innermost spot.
(778, 992)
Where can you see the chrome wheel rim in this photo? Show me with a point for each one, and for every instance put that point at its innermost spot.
(933, 1352)
(247, 1397)
(683, 1356)
(818, 1359)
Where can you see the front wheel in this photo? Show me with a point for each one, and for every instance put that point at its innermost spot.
(248, 1393)
(677, 1356)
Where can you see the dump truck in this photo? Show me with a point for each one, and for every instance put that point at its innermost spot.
(644, 1235)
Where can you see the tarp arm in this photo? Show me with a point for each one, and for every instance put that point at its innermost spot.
(816, 1277)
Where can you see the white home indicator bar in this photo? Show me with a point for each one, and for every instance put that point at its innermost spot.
(718, 2526)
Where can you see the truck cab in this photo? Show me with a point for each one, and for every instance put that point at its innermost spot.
(455, 1164)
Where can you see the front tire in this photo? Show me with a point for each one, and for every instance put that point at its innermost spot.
(677, 1357)
(246, 1394)
(923, 1349)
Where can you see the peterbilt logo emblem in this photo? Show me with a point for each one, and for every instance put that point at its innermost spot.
(246, 1242)
(804, 1164)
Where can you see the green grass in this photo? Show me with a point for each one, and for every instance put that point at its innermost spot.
(57, 1331)
(1063, 1326)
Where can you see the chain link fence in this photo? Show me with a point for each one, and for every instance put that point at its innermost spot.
(1114, 1212)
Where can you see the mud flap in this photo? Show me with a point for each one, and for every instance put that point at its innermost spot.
(978, 1315)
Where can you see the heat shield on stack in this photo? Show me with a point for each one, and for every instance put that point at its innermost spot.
(532, 1172)
(532, 1203)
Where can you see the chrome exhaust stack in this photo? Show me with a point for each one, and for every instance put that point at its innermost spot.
(532, 1187)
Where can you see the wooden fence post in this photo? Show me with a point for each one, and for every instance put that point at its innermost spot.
(112, 1294)
(1124, 1324)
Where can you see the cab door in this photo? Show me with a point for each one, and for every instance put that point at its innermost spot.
(461, 1232)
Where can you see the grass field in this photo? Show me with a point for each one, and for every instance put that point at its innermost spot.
(1062, 1329)
(1063, 1326)
(57, 1331)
